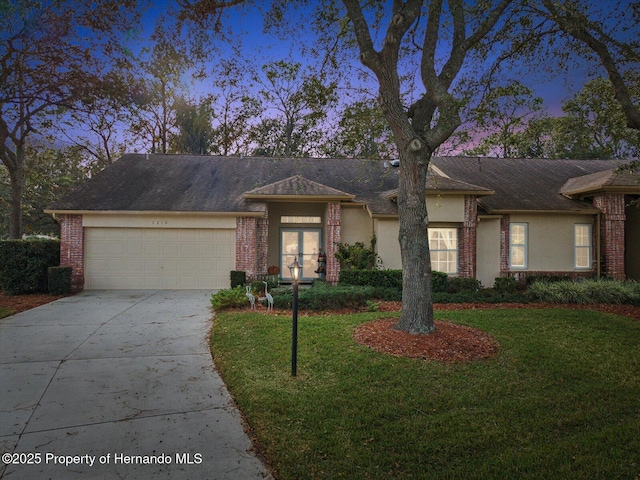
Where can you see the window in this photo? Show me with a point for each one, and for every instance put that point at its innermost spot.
(582, 246)
(518, 248)
(299, 219)
(443, 245)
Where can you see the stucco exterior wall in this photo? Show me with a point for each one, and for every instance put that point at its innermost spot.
(550, 243)
(357, 225)
(445, 208)
(488, 251)
(386, 230)
(159, 220)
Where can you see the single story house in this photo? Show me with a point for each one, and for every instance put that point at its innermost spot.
(186, 221)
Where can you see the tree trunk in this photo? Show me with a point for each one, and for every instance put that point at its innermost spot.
(16, 174)
(417, 305)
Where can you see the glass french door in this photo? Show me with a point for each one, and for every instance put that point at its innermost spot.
(303, 244)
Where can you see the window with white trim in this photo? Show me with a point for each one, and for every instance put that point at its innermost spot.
(518, 233)
(443, 246)
(582, 245)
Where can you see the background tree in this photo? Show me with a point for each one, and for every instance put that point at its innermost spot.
(96, 124)
(153, 109)
(294, 105)
(52, 53)
(193, 122)
(49, 174)
(361, 132)
(502, 113)
(594, 126)
(235, 109)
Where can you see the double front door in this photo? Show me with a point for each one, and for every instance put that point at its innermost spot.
(303, 244)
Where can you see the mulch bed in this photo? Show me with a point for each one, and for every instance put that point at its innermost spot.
(448, 343)
(20, 303)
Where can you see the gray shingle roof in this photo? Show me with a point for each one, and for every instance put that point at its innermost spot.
(296, 186)
(608, 179)
(192, 183)
(523, 184)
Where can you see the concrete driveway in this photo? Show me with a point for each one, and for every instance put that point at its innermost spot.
(117, 384)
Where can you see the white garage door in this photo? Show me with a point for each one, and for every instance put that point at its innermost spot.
(150, 258)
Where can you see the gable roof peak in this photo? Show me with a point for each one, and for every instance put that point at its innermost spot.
(296, 186)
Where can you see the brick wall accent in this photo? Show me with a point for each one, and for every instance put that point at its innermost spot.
(72, 248)
(468, 238)
(505, 221)
(612, 233)
(333, 238)
(246, 246)
(262, 244)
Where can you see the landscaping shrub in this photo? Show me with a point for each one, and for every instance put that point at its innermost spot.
(59, 280)
(505, 285)
(24, 264)
(230, 298)
(459, 284)
(388, 279)
(587, 291)
(439, 282)
(377, 278)
(357, 256)
(324, 297)
(238, 278)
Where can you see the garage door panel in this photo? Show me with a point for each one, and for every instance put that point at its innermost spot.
(131, 258)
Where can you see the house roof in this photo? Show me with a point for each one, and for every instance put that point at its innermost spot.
(525, 184)
(198, 183)
(438, 184)
(295, 187)
(609, 180)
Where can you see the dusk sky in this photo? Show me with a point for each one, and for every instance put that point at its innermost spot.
(256, 45)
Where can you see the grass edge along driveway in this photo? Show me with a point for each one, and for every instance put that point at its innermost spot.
(560, 400)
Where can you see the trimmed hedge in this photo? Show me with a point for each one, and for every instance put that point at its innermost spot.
(238, 278)
(59, 280)
(587, 291)
(324, 297)
(24, 264)
(388, 279)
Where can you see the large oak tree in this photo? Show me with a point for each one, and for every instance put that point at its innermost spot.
(52, 54)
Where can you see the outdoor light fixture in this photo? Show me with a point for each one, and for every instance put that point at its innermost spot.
(296, 271)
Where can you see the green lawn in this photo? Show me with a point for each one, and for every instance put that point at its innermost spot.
(560, 401)
(5, 312)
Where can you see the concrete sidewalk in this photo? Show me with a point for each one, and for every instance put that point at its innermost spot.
(118, 384)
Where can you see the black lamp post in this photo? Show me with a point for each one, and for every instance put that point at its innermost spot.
(296, 271)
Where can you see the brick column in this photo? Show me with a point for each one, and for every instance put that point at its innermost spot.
(467, 239)
(505, 221)
(612, 233)
(246, 246)
(262, 243)
(72, 248)
(333, 238)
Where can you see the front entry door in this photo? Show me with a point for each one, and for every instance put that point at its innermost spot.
(303, 243)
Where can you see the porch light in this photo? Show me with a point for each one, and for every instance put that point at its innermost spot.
(296, 270)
